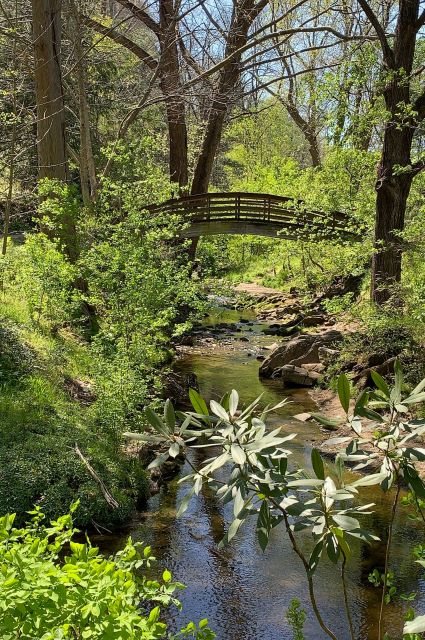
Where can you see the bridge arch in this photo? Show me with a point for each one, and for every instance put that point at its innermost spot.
(256, 214)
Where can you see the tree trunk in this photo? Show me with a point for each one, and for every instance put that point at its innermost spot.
(51, 140)
(394, 172)
(391, 202)
(88, 175)
(171, 88)
(244, 13)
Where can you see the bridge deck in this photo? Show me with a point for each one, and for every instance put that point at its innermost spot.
(255, 214)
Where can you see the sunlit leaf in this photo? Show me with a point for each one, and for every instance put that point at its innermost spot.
(415, 626)
(156, 422)
(198, 403)
(380, 383)
(169, 415)
(233, 402)
(238, 454)
(344, 392)
(174, 450)
(315, 557)
(219, 411)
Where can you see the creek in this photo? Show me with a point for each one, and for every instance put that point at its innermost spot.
(244, 592)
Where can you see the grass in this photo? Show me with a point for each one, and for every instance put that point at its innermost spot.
(40, 423)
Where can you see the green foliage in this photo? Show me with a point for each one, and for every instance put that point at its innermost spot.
(134, 275)
(55, 587)
(43, 276)
(41, 421)
(296, 618)
(344, 182)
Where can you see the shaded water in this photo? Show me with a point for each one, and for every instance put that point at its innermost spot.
(244, 593)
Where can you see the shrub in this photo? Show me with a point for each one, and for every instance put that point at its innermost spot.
(83, 594)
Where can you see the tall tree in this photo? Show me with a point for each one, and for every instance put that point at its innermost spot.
(51, 140)
(396, 170)
(164, 64)
(51, 137)
(244, 14)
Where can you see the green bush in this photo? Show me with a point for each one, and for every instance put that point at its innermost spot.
(16, 357)
(56, 588)
(38, 462)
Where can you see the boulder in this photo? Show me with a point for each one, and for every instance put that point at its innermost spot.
(318, 367)
(314, 320)
(281, 330)
(327, 355)
(293, 376)
(303, 349)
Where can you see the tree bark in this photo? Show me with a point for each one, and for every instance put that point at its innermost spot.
(51, 144)
(171, 88)
(88, 175)
(391, 202)
(394, 173)
(51, 138)
(169, 76)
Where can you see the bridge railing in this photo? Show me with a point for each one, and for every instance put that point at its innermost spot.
(256, 208)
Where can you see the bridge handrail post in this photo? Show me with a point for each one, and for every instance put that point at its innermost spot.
(208, 207)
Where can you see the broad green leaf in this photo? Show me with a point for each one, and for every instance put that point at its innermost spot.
(144, 437)
(174, 450)
(233, 529)
(198, 403)
(340, 440)
(380, 383)
(361, 401)
(159, 460)
(332, 547)
(368, 481)
(415, 398)
(364, 412)
(415, 626)
(327, 422)
(346, 523)
(185, 502)
(419, 388)
(156, 422)
(398, 374)
(342, 541)
(315, 557)
(344, 392)
(263, 525)
(306, 482)
(238, 503)
(169, 415)
(317, 462)
(414, 481)
(329, 491)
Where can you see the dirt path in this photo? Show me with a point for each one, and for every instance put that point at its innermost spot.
(254, 289)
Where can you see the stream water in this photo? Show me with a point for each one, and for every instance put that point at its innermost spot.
(244, 592)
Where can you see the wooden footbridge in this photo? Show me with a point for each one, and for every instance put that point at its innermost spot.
(255, 214)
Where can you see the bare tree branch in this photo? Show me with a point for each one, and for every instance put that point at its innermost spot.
(119, 38)
(374, 21)
(141, 15)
